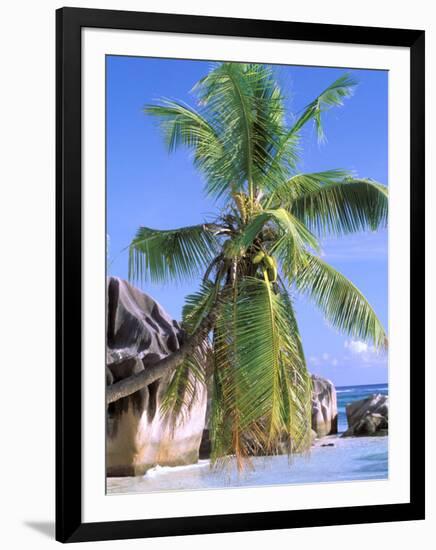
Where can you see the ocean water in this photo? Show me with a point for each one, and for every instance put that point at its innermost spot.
(347, 459)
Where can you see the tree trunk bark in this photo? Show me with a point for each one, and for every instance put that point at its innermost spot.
(161, 368)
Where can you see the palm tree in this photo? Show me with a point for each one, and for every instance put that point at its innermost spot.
(261, 248)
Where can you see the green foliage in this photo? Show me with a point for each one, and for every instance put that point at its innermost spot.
(304, 184)
(174, 254)
(213, 155)
(190, 378)
(266, 233)
(343, 305)
(282, 229)
(186, 384)
(333, 96)
(342, 207)
(246, 107)
(261, 389)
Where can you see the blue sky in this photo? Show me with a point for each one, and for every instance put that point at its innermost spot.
(147, 186)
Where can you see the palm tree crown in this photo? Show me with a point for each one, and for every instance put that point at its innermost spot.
(262, 247)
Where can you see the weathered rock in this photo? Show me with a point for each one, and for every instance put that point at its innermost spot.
(324, 407)
(368, 417)
(138, 435)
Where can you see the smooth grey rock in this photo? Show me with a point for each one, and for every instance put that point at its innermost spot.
(368, 417)
(324, 407)
(140, 332)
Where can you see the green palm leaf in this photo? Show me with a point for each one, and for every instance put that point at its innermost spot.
(173, 254)
(286, 151)
(297, 405)
(182, 125)
(226, 94)
(213, 154)
(333, 96)
(292, 228)
(289, 231)
(186, 385)
(255, 352)
(301, 185)
(246, 104)
(223, 419)
(342, 207)
(342, 304)
(190, 378)
(198, 305)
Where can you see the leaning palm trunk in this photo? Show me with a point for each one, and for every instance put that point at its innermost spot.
(261, 249)
(165, 366)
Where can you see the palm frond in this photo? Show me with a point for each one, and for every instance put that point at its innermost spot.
(333, 96)
(226, 93)
(342, 304)
(182, 125)
(293, 240)
(286, 152)
(255, 352)
(297, 405)
(198, 305)
(301, 185)
(292, 227)
(222, 419)
(213, 153)
(184, 388)
(343, 207)
(190, 378)
(290, 231)
(245, 102)
(173, 254)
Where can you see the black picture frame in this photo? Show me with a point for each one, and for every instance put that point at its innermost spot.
(69, 525)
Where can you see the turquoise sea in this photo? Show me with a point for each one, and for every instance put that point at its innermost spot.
(347, 459)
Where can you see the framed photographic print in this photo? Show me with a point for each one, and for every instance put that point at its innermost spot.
(240, 274)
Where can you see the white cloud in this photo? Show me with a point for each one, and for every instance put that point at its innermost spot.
(368, 355)
(357, 346)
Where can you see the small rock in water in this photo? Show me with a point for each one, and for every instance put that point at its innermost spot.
(327, 445)
(368, 416)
